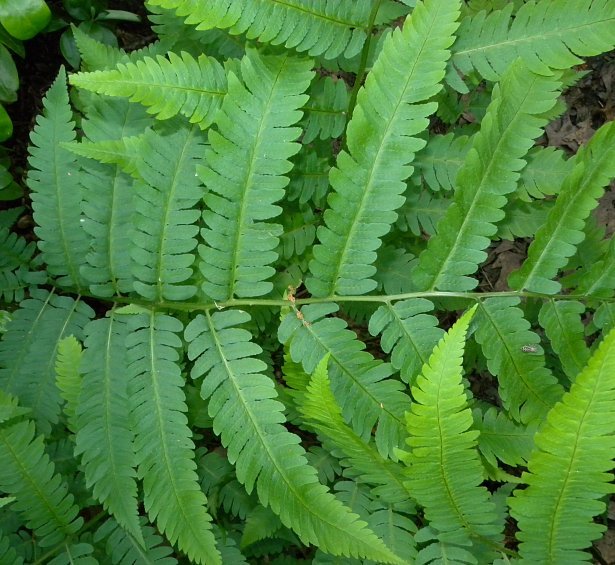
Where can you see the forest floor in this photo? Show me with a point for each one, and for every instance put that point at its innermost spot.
(590, 104)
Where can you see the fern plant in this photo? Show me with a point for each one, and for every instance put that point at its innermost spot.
(254, 325)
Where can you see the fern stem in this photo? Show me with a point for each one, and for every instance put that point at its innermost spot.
(362, 71)
(374, 298)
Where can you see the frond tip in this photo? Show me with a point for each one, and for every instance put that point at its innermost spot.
(442, 443)
(569, 469)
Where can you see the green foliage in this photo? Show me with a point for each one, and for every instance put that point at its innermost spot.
(170, 389)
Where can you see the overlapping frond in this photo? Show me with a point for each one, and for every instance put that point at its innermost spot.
(439, 162)
(245, 173)
(29, 348)
(322, 413)
(325, 111)
(408, 333)
(123, 549)
(15, 259)
(557, 240)
(9, 555)
(527, 388)
(55, 189)
(163, 445)
(543, 33)
(442, 444)
(368, 181)
(122, 152)
(523, 219)
(544, 174)
(562, 323)
(105, 437)
(41, 494)
(266, 456)
(501, 438)
(165, 220)
(166, 86)
(316, 26)
(489, 174)
(310, 177)
(361, 384)
(569, 470)
(69, 378)
(422, 212)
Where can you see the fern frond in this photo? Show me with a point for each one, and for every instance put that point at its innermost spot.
(123, 549)
(95, 55)
(422, 212)
(562, 323)
(396, 529)
(569, 470)
(360, 383)
(394, 266)
(442, 444)
(265, 454)
(163, 444)
(325, 111)
(489, 174)
(309, 180)
(367, 183)
(542, 33)
(523, 219)
(167, 86)
(68, 377)
(408, 333)
(299, 233)
(440, 160)
(165, 216)
(261, 523)
(315, 26)
(15, 251)
(75, 554)
(9, 555)
(527, 388)
(55, 189)
(557, 239)
(544, 174)
(322, 413)
(104, 434)
(502, 438)
(122, 152)
(9, 409)
(41, 494)
(598, 280)
(14, 284)
(29, 348)
(245, 173)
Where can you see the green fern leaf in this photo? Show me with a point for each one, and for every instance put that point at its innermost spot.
(10, 409)
(29, 348)
(244, 174)
(422, 212)
(527, 388)
(163, 446)
(598, 280)
(309, 179)
(325, 111)
(55, 190)
(8, 553)
(502, 438)
(165, 215)
(523, 219)
(104, 437)
(261, 523)
(489, 173)
(360, 383)
(167, 86)
(15, 251)
(566, 332)
(41, 494)
(68, 377)
(569, 470)
(396, 529)
(315, 26)
(75, 554)
(368, 180)
(122, 152)
(265, 454)
(544, 174)
(439, 162)
(408, 333)
(542, 33)
(322, 413)
(123, 549)
(442, 443)
(558, 238)
(394, 266)
(108, 204)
